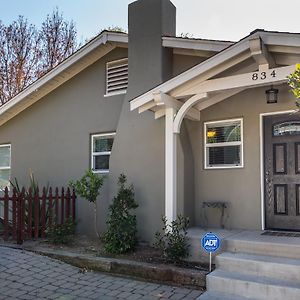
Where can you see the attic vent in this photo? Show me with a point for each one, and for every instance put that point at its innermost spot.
(117, 77)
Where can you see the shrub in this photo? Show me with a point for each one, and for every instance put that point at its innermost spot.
(88, 187)
(61, 233)
(172, 240)
(120, 236)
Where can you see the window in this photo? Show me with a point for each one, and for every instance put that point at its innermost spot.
(101, 149)
(5, 157)
(224, 144)
(116, 77)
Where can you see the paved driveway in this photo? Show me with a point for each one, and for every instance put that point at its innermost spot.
(25, 275)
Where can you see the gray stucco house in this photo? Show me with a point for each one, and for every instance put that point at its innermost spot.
(186, 120)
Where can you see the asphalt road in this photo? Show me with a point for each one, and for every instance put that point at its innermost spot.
(25, 275)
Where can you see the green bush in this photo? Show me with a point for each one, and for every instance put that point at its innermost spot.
(120, 236)
(172, 240)
(61, 233)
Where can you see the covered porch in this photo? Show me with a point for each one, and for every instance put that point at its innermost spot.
(255, 64)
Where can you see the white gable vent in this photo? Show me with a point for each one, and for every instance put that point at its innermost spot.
(117, 76)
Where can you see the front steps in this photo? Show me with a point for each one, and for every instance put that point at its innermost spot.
(249, 242)
(256, 269)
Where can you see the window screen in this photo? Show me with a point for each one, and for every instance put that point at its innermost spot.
(223, 144)
(101, 150)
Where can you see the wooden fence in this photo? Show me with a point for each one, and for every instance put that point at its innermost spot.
(27, 214)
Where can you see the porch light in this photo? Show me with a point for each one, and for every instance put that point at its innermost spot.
(272, 95)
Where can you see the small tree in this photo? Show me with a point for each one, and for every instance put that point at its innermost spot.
(88, 187)
(120, 236)
(294, 83)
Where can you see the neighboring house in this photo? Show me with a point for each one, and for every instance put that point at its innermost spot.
(185, 119)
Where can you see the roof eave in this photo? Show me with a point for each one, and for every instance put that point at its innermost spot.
(96, 48)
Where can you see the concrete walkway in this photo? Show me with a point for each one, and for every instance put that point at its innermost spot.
(25, 275)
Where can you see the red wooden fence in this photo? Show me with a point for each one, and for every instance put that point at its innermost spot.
(28, 214)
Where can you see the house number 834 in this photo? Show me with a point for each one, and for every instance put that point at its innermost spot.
(263, 75)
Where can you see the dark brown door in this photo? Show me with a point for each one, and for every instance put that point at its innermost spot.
(282, 171)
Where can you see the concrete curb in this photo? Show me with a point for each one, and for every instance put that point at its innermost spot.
(138, 270)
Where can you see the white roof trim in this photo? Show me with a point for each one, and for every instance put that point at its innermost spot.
(194, 44)
(269, 38)
(169, 85)
(106, 38)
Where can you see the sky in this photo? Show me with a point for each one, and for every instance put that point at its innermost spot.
(211, 19)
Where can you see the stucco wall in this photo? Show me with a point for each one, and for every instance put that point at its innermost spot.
(182, 63)
(239, 187)
(52, 137)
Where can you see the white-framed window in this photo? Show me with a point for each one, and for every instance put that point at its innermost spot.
(101, 145)
(5, 165)
(116, 77)
(223, 144)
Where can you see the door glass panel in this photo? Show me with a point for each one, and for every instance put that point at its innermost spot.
(297, 158)
(279, 152)
(297, 200)
(287, 128)
(280, 199)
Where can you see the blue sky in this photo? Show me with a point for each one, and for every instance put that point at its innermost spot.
(216, 19)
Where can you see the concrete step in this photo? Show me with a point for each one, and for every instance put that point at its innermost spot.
(251, 286)
(221, 296)
(260, 265)
(273, 246)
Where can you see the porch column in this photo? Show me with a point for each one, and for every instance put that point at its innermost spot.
(170, 166)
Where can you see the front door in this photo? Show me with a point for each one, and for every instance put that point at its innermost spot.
(282, 171)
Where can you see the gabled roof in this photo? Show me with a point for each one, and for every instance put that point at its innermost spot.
(96, 48)
(279, 43)
(78, 61)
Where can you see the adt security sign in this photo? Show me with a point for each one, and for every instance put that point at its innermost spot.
(210, 242)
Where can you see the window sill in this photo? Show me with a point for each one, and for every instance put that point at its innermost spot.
(101, 172)
(223, 167)
(115, 93)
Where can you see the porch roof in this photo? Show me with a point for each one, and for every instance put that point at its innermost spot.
(225, 74)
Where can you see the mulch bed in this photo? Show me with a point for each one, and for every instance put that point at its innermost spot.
(143, 253)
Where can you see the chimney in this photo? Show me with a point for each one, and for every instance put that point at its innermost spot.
(149, 62)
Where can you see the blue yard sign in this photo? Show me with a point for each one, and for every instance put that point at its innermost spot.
(210, 242)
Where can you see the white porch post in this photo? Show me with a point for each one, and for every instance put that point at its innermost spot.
(170, 166)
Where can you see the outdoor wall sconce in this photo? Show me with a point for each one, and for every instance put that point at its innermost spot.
(272, 95)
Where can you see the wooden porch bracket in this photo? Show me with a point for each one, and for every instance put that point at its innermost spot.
(260, 53)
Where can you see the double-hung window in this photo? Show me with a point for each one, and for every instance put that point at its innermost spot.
(101, 145)
(5, 165)
(223, 144)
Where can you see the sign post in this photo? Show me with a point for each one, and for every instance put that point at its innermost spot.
(210, 243)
